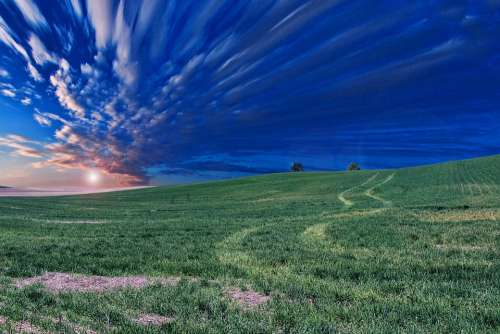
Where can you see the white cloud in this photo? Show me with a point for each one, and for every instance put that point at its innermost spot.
(4, 73)
(7, 37)
(31, 13)
(66, 37)
(177, 81)
(7, 85)
(77, 8)
(53, 117)
(66, 134)
(21, 146)
(39, 52)
(8, 92)
(86, 69)
(118, 32)
(42, 120)
(125, 69)
(34, 72)
(59, 81)
(26, 101)
(146, 13)
(64, 64)
(101, 17)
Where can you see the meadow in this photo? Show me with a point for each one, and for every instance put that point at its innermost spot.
(411, 250)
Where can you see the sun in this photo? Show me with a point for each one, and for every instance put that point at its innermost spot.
(93, 177)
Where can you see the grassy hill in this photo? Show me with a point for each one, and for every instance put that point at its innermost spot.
(411, 250)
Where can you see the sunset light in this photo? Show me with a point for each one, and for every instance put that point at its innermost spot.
(93, 178)
(249, 166)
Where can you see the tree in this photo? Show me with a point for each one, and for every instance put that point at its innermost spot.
(297, 167)
(353, 166)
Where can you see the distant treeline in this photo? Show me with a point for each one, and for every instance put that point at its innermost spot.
(299, 167)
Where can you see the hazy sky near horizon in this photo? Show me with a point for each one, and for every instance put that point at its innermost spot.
(167, 91)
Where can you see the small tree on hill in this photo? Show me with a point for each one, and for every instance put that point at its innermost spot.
(297, 167)
(353, 166)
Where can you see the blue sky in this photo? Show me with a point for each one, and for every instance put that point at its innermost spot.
(164, 91)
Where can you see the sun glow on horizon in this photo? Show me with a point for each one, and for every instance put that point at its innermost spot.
(93, 178)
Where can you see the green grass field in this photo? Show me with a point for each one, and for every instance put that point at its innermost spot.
(396, 251)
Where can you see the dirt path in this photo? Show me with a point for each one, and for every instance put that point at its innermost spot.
(348, 203)
(371, 192)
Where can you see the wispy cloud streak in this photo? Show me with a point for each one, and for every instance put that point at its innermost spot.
(136, 88)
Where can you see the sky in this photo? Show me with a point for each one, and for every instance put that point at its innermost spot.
(133, 92)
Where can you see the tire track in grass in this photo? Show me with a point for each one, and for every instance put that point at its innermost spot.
(477, 184)
(230, 252)
(472, 182)
(458, 175)
(451, 178)
(466, 183)
(371, 192)
(454, 177)
(466, 180)
(279, 277)
(317, 233)
(233, 252)
(348, 203)
(481, 186)
(490, 181)
(484, 186)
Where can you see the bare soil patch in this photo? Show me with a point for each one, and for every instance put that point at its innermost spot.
(82, 330)
(152, 320)
(64, 282)
(23, 327)
(78, 329)
(26, 327)
(247, 299)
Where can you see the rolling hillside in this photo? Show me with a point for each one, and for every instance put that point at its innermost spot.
(410, 250)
